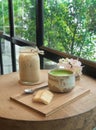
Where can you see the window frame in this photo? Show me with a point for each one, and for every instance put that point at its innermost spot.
(54, 55)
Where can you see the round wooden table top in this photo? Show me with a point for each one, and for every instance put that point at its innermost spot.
(73, 116)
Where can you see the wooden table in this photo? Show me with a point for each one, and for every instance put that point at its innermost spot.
(78, 115)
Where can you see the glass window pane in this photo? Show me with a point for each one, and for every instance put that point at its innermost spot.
(49, 64)
(25, 19)
(6, 56)
(4, 16)
(70, 26)
(17, 48)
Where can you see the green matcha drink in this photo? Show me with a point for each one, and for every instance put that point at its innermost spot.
(60, 72)
(61, 80)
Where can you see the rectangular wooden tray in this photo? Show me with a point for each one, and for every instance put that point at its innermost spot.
(59, 100)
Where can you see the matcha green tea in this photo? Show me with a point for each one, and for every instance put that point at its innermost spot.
(61, 80)
(60, 72)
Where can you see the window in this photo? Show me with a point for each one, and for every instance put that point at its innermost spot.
(4, 16)
(6, 56)
(70, 27)
(25, 19)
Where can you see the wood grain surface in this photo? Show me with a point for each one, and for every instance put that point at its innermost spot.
(77, 115)
(59, 100)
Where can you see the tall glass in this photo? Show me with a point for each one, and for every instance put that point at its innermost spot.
(29, 67)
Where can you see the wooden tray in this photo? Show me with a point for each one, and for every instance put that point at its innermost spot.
(60, 100)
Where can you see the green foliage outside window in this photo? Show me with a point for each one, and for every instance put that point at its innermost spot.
(69, 25)
(25, 19)
(4, 17)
